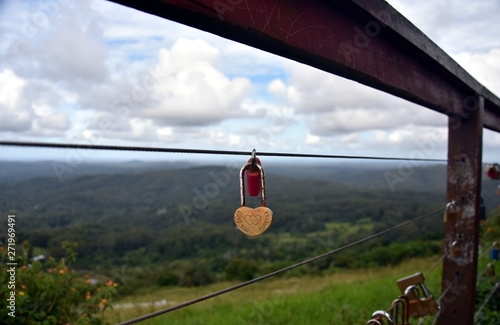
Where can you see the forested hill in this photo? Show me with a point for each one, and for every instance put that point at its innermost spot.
(403, 176)
(386, 177)
(12, 171)
(187, 213)
(160, 199)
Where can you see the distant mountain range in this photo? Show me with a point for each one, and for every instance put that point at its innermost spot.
(365, 176)
(21, 170)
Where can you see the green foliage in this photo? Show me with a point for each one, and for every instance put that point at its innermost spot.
(240, 269)
(52, 293)
(490, 314)
(395, 253)
(490, 229)
(298, 297)
(168, 278)
(489, 277)
(195, 274)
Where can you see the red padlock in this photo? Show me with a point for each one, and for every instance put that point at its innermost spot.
(254, 184)
(493, 171)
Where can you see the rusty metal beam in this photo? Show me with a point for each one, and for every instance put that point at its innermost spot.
(363, 40)
(464, 187)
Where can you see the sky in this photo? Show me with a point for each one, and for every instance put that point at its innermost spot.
(94, 72)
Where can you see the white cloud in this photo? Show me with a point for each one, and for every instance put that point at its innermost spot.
(191, 90)
(165, 132)
(49, 119)
(12, 116)
(67, 61)
(332, 105)
(27, 107)
(276, 87)
(314, 91)
(351, 139)
(409, 141)
(455, 25)
(56, 122)
(66, 48)
(184, 88)
(486, 66)
(312, 139)
(491, 146)
(344, 120)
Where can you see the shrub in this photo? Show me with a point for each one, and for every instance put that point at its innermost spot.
(240, 269)
(168, 278)
(487, 293)
(51, 293)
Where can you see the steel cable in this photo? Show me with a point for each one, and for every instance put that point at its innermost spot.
(496, 287)
(201, 151)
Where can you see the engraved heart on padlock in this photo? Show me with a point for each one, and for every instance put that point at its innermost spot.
(253, 222)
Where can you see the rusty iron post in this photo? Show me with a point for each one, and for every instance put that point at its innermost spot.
(464, 187)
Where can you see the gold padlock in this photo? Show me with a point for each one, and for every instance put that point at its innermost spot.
(452, 212)
(412, 280)
(253, 222)
(456, 250)
(423, 307)
(421, 303)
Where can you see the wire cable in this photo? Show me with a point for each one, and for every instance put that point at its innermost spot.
(480, 310)
(288, 268)
(433, 267)
(200, 151)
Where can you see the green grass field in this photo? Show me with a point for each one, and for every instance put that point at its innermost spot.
(344, 297)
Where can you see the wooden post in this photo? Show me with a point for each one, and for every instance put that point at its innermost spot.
(464, 187)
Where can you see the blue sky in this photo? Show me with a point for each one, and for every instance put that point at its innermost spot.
(96, 72)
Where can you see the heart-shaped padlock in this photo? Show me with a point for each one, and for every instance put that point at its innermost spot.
(253, 222)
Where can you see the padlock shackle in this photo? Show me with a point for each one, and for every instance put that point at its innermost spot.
(451, 205)
(374, 322)
(254, 154)
(420, 288)
(262, 183)
(404, 314)
(382, 314)
(424, 290)
(412, 288)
